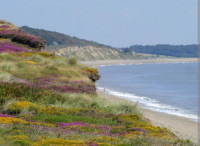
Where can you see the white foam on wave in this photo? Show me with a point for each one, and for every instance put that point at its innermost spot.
(152, 104)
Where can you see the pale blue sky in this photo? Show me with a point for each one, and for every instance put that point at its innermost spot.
(118, 23)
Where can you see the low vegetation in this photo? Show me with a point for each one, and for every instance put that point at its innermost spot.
(49, 100)
(9, 31)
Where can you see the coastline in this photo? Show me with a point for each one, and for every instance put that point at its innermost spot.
(183, 127)
(138, 61)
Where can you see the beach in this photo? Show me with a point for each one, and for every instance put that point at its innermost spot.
(160, 60)
(183, 127)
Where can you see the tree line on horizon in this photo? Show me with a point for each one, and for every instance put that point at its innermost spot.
(166, 50)
(59, 39)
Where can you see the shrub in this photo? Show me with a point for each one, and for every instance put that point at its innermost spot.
(18, 106)
(8, 33)
(28, 39)
(17, 35)
(93, 74)
(72, 61)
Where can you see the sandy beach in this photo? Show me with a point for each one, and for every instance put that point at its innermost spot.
(160, 60)
(183, 127)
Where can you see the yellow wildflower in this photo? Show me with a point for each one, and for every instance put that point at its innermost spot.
(105, 139)
(11, 120)
(19, 137)
(19, 105)
(43, 124)
(59, 141)
(30, 62)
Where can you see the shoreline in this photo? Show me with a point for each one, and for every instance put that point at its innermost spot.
(144, 103)
(183, 127)
(139, 61)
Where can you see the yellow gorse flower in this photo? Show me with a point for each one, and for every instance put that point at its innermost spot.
(43, 124)
(27, 54)
(19, 137)
(19, 105)
(105, 139)
(30, 62)
(11, 120)
(59, 141)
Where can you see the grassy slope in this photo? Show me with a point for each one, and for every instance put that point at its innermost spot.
(48, 100)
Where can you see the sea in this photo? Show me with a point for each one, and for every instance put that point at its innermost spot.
(170, 88)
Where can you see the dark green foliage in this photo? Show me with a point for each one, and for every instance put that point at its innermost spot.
(94, 77)
(55, 38)
(93, 74)
(167, 50)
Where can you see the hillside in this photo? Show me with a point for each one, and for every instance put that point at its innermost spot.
(166, 50)
(67, 46)
(56, 38)
(48, 100)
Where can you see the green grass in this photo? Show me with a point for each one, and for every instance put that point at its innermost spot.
(101, 112)
(46, 66)
(86, 101)
(73, 118)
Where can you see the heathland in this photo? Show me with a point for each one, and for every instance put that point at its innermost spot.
(50, 100)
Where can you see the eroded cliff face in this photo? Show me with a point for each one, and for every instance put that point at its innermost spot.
(92, 53)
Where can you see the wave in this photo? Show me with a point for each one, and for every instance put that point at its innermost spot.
(152, 104)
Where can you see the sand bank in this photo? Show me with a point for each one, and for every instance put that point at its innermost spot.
(115, 62)
(183, 127)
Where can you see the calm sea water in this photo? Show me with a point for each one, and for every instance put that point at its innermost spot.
(164, 87)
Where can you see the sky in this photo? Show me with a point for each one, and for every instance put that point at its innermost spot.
(118, 23)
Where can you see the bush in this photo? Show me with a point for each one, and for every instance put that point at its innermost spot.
(93, 74)
(30, 40)
(7, 33)
(72, 61)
